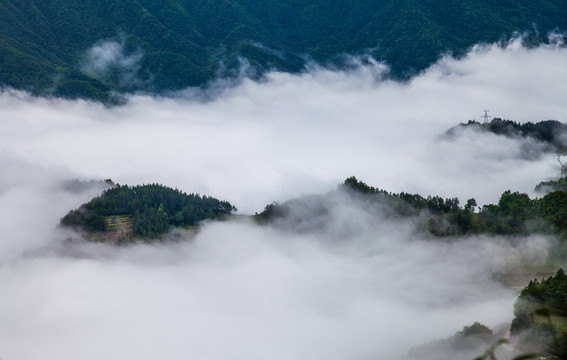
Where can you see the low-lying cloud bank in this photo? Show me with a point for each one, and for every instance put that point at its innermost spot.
(293, 134)
(240, 290)
(237, 290)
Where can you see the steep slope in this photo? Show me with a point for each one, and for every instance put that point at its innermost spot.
(50, 47)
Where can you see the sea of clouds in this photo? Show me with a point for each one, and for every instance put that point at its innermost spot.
(237, 290)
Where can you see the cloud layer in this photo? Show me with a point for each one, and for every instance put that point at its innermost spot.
(291, 134)
(236, 290)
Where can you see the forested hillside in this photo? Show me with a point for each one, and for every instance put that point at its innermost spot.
(551, 134)
(152, 210)
(88, 48)
(540, 316)
(514, 214)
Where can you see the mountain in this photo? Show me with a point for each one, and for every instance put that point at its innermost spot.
(550, 136)
(515, 214)
(89, 48)
(123, 213)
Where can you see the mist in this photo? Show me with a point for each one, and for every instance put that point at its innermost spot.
(243, 291)
(112, 57)
(240, 290)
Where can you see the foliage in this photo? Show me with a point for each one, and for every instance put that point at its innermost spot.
(550, 132)
(541, 316)
(514, 214)
(186, 43)
(552, 185)
(154, 207)
(462, 345)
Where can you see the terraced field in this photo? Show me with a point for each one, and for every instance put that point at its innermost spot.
(119, 228)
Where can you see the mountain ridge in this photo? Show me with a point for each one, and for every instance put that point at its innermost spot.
(188, 43)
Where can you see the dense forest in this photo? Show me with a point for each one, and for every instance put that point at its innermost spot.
(514, 214)
(540, 316)
(88, 49)
(154, 209)
(550, 133)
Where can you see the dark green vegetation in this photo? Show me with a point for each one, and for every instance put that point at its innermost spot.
(541, 316)
(464, 345)
(153, 209)
(515, 214)
(172, 44)
(552, 185)
(538, 331)
(551, 134)
(543, 137)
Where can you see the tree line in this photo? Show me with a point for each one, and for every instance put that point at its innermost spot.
(155, 209)
(540, 315)
(514, 214)
(549, 132)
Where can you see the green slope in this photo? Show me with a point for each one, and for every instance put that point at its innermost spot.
(150, 210)
(180, 43)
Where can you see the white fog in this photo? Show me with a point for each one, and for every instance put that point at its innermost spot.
(242, 291)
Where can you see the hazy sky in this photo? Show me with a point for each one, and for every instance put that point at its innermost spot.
(239, 291)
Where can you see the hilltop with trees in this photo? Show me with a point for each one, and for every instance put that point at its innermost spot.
(150, 210)
(551, 134)
(514, 214)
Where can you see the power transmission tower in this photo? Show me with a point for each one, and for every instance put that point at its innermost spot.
(485, 116)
